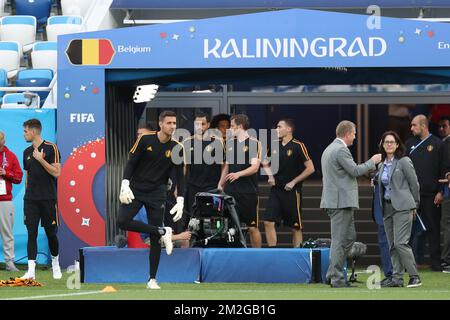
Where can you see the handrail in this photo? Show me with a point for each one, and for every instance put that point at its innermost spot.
(88, 15)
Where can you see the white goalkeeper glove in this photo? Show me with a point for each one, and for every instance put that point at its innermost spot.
(178, 209)
(126, 195)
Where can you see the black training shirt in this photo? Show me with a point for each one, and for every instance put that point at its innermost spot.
(238, 157)
(427, 162)
(150, 163)
(204, 158)
(291, 161)
(41, 185)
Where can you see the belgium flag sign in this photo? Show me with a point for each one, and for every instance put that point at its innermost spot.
(90, 52)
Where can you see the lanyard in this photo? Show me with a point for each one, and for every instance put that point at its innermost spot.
(414, 148)
(4, 162)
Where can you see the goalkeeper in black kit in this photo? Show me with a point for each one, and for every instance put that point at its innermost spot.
(144, 183)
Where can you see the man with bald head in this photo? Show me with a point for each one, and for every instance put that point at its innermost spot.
(424, 149)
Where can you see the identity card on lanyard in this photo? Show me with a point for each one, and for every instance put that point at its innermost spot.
(2, 181)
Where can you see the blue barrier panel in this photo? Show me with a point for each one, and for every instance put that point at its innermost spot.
(11, 121)
(325, 261)
(125, 265)
(256, 265)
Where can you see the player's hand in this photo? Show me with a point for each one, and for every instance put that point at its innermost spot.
(38, 155)
(126, 195)
(185, 235)
(220, 187)
(232, 176)
(438, 198)
(177, 209)
(289, 186)
(271, 181)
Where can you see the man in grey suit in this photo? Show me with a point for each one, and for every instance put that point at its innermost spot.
(340, 197)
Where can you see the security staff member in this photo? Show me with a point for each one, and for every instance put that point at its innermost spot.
(239, 177)
(144, 183)
(285, 199)
(41, 163)
(424, 149)
(444, 132)
(204, 160)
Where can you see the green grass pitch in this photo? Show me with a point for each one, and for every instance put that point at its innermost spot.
(436, 286)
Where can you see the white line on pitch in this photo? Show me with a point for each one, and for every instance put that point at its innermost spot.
(55, 295)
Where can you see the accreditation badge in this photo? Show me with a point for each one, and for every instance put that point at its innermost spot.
(2, 187)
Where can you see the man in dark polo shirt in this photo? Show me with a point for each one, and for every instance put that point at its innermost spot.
(424, 149)
(41, 163)
(239, 177)
(204, 159)
(285, 200)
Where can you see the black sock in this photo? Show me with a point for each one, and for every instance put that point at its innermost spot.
(155, 253)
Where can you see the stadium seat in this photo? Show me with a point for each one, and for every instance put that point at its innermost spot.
(3, 81)
(40, 9)
(44, 55)
(18, 101)
(19, 28)
(35, 78)
(10, 53)
(75, 7)
(59, 25)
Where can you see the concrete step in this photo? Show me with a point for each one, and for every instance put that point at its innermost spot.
(317, 223)
(314, 201)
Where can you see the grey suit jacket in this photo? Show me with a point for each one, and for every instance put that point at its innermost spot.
(404, 185)
(339, 170)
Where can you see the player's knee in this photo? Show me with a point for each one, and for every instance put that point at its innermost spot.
(154, 241)
(50, 231)
(269, 224)
(253, 230)
(32, 231)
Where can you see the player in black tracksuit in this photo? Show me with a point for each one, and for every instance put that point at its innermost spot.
(145, 177)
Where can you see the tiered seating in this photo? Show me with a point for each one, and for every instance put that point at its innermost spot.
(19, 28)
(44, 55)
(59, 25)
(40, 9)
(20, 20)
(10, 52)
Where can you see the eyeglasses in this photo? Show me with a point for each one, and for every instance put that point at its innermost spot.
(389, 142)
